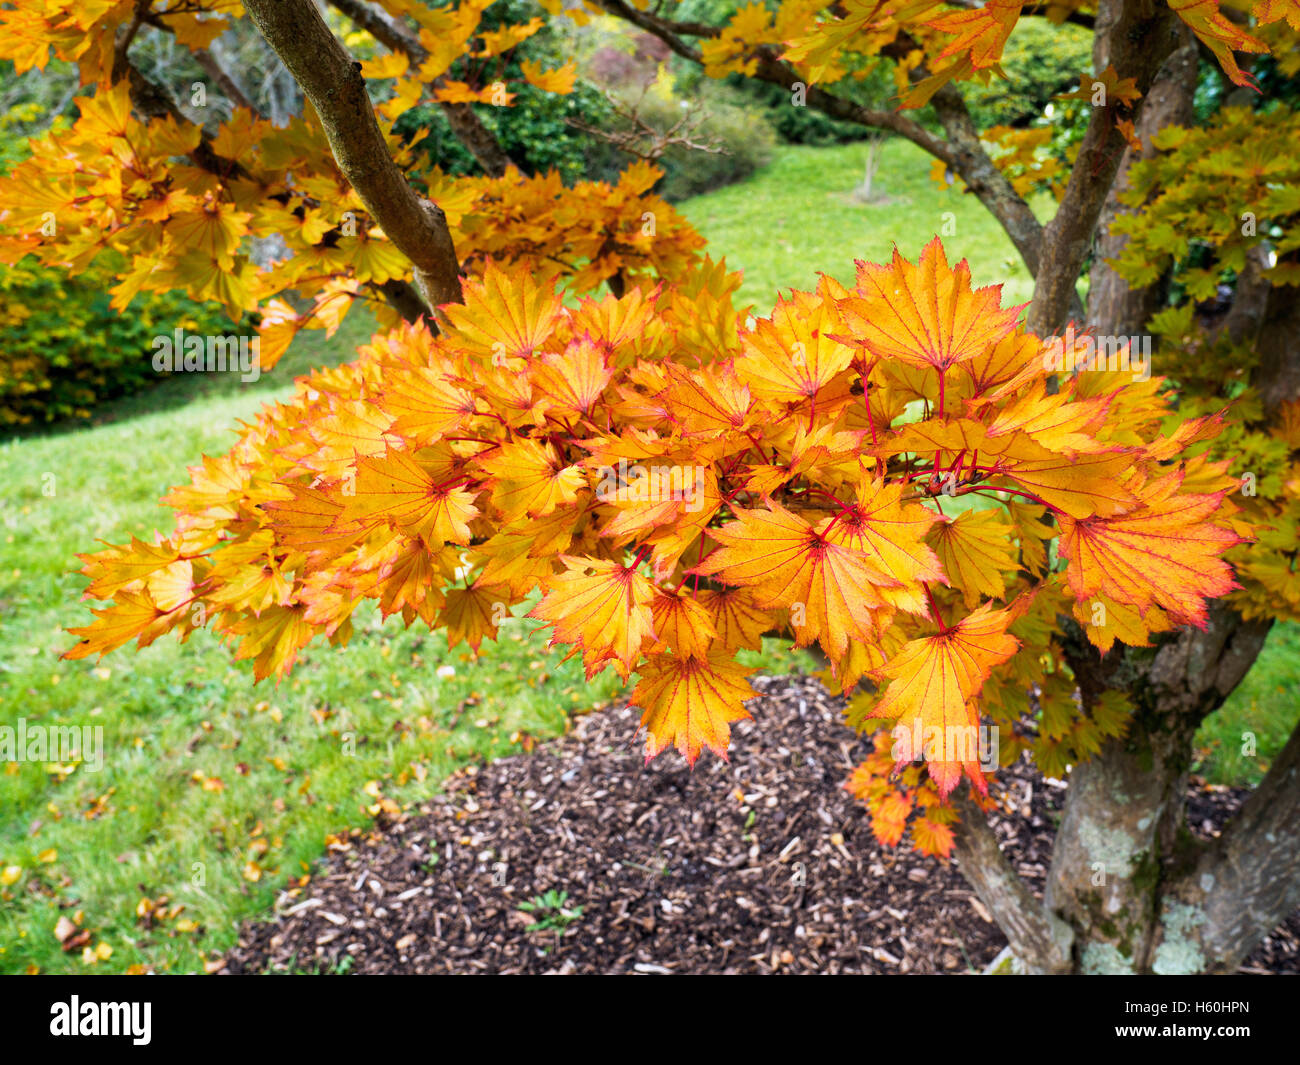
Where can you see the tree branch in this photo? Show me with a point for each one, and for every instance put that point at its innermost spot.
(210, 64)
(402, 297)
(1278, 376)
(224, 81)
(962, 152)
(332, 81)
(467, 127)
(984, 179)
(1116, 308)
(125, 36)
(774, 72)
(1077, 18)
(1135, 39)
(1038, 938)
(153, 102)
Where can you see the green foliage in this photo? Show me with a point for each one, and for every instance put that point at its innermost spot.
(1209, 197)
(542, 131)
(30, 106)
(63, 349)
(797, 125)
(1041, 61)
(552, 911)
(535, 131)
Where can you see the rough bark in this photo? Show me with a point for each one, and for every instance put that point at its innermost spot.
(1248, 880)
(1241, 325)
(985, 180)
(1040, 940)
(332, 81)
(1115, 309)
(1278, 376)
(1135, 38)
(1123, 837)
(1244, 885)
(152, 101)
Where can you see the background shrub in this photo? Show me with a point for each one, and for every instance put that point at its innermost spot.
(745, 138)
(535, 132)
(1041, 61)
(63, 348)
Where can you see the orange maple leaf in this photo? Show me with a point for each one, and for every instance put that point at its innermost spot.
(529, 479)
(682, 623)
(831, 588)
(472, 613)
(925, 314)
(793, 357)
(932, 838)
(1077, 484)
(115, 568)
(891, 535)
(1219, 35)
(396, 489)
(132, 616)
(607, 613)
(933, 684)
(976, 548)
(571, 381)
(1166, 552)
(688, 702)
(560, 80)
(889, 817)
(273, 640)
(425, 403)
(982, 32)
(738, 622)
(506, 315)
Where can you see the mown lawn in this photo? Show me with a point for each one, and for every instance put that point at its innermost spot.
(797, 218)
(215, 791)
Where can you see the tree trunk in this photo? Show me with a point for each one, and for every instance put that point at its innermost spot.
(1136, 39)
(1129, 889)
(1115, 309)
(1123, 842)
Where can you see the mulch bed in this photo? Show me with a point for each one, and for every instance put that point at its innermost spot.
(761, 864)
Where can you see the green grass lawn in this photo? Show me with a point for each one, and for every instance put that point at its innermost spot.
(1237, 744)
(797, 218)
(215, 791)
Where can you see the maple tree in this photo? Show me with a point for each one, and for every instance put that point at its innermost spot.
(896, 472)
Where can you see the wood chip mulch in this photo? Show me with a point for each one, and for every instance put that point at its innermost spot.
(762, 864)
